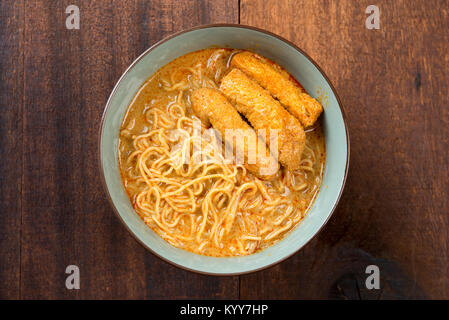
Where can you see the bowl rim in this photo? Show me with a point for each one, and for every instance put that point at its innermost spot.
(174, 35)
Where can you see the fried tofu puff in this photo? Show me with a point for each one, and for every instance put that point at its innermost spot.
(213, 108)
(264, 112)
(281, 85)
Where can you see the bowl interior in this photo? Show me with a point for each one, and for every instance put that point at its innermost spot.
(301, 68)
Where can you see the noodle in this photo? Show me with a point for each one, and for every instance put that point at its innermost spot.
(185, 190)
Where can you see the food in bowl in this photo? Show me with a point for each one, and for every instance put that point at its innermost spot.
(222, 152)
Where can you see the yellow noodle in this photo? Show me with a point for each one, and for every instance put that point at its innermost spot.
(186, 191)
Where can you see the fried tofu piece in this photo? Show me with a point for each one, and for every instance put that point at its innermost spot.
(213, 108)
(264, 112)
(281, 85)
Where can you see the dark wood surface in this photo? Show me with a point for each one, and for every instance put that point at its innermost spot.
(393, 83)
(11, 144)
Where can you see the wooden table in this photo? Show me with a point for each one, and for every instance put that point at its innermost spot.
(394, 212)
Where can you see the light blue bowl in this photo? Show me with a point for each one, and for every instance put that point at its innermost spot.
(301, 67)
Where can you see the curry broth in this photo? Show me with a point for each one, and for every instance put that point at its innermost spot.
(135, 123)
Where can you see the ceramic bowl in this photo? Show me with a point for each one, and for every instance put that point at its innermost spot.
(302, 67)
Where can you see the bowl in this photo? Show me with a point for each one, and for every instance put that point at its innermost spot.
(294, 60)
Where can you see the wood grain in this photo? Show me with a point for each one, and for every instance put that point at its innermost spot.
(393, 83)
(69, 75)
(11, 93)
